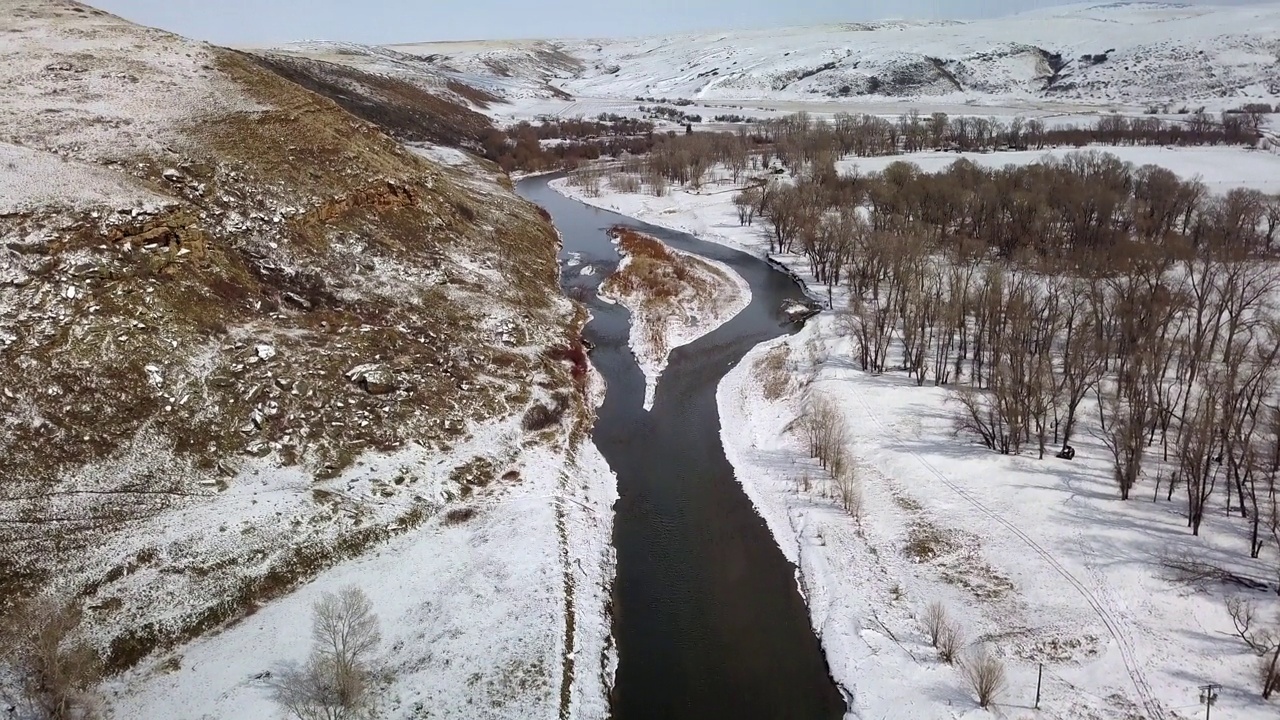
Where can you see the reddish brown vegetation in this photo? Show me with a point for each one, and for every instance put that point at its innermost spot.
(653, 269)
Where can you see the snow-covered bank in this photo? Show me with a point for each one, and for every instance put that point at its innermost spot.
(472, 608)
(1036, 558)
(710, 296)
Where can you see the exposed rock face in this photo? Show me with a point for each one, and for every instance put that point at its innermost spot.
(207, 252)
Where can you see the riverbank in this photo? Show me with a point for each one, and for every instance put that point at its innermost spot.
(1035, 559)
(675, 297)
(697, 568)
(496, 606)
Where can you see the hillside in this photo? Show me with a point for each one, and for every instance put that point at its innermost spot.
(246, 335)
(1129, 53)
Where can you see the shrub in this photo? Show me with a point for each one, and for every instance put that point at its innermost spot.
(935, 619)
(950, 641)
(849, 490)
(457, 516)
(985, 674)
(625, 183)
(539, 417)
(55, 673)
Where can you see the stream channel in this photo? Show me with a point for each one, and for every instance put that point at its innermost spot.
(709, 622)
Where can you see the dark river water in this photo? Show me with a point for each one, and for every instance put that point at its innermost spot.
(708, 619)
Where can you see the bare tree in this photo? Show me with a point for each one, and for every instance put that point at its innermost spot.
(54, 672)
(950, 641)
(747, 202)
(985, 674)
(824, 428)
(849, 490)
(1262, 641)
(331, 684)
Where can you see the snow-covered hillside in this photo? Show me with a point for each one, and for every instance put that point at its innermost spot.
(218, 291)
(1118, 53)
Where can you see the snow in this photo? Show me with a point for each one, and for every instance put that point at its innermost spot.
(472, 612)
(699, 315)
(92, 89)
(1220, 168)
(1037, 558)
(30, 179)
(1154, 52)
(453, 157)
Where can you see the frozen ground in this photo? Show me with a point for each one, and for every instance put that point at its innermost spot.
(1037, 558)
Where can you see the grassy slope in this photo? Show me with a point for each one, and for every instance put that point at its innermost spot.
(164, 357)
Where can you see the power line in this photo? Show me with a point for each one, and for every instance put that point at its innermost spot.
(1209, 696)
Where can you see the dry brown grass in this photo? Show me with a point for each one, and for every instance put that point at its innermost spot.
(771, 368)
(658, 275)
(353, 195)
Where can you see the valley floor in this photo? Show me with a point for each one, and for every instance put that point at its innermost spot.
(1039, 559)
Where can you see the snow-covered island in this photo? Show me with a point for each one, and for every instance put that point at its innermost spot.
(674, 297)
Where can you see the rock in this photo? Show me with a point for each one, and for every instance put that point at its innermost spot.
(797, 311)
(172, 175)
(298, 300)
(155, 375)
(264, 352)
(258, 448)
(374, 378)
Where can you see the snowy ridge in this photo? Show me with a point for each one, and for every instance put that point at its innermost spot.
(1129, 53)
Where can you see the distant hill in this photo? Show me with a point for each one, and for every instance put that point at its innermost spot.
(1131, 53)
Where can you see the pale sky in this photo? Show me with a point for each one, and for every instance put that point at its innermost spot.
(247, 22)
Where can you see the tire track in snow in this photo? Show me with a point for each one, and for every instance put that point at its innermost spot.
(1127, 653)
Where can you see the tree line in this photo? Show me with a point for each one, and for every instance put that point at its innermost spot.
(1034, 289)
(1079, 284)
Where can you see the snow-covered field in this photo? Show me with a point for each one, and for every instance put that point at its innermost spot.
(713, 297)
(1219, 168)
(1036, 558)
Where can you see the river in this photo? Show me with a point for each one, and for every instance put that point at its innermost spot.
(709, 622)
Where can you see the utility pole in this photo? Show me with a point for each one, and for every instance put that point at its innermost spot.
(1209, 696)
(1039, 677)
